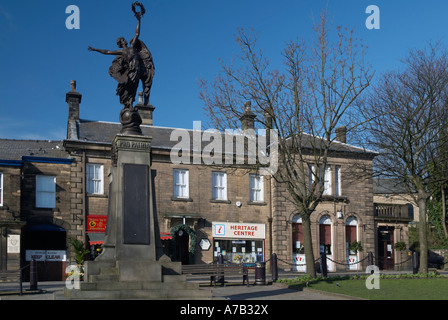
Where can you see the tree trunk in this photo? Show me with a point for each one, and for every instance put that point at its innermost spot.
(308, 245)
(423, 239)
(444, 213)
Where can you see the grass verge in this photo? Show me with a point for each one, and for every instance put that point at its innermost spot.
(391, 287)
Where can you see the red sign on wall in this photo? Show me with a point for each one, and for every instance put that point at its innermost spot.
(96, 223)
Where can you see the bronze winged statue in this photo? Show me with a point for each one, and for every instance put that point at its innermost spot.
(132, 64)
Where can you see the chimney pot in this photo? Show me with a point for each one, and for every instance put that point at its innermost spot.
(248, 117)
(73, 100)
(341, 134)
(73, 85)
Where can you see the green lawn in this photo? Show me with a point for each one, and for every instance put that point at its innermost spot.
(390, 289)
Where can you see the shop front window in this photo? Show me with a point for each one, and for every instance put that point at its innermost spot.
(239, 251)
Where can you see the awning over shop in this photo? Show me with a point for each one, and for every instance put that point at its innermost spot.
(44, 227)
(96, 238)
(165, 236)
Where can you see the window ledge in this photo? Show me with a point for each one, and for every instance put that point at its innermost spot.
(220, 201)
(335, 198)
(181, 199)
(96, 195)
(257, 203)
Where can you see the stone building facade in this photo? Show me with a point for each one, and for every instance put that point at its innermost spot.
(395, 213)
(345, 215)
(203, 210)
(35, 208)
(200, 216)
(10, 222)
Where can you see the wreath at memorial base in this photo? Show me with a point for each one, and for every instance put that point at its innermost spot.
(174, 234)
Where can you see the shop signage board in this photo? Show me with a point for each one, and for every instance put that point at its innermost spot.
(299, 262)
(46, 255)
(96, 223)
(13, 243)
(204, 244)
(239, 230)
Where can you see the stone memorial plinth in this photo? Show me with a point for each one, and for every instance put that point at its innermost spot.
(132, 264)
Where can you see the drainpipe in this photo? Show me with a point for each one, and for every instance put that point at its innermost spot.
(270, 220)
(84, 196)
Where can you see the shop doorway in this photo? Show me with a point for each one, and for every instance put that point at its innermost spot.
(46, 244)
(386, 248)
(184, 243)
(298, 250)
(351, 235)
(325, 237)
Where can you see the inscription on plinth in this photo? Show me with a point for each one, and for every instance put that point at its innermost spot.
(134, 145)
(136, 213)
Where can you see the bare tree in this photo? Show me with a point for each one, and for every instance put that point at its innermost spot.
(315, 94)
(409, 112)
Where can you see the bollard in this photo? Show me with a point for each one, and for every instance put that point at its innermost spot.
(221, 261)
(414, 262)
(370, 259)
(260, 273)
(274, 267)
(21, 283)
(33, 275)
(323, 264)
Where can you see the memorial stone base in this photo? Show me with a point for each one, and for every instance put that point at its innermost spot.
(132, 264)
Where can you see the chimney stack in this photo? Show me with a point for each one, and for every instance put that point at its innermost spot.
(145, 111)
(248, 118)
(341, 134)
(73, 99)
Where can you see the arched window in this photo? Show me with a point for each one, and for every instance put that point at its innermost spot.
(297, 235)
(351, 235)
(325, 234)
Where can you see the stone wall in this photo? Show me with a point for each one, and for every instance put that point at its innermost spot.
(356, 201)
(10, 221)
(200, 209)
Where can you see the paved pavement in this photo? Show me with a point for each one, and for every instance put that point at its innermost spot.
(232, 291)
(270, 292)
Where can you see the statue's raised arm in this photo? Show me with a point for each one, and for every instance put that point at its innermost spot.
(138, 15)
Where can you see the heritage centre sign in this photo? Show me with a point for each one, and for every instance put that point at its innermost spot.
(239, 230)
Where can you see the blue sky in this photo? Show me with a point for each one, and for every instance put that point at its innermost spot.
(39, 55)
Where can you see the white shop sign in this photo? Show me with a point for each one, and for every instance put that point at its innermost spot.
(13, 243)
(238, 230)
(299, 263)
(46, 255)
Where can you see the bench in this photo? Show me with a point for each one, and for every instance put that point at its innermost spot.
(9, 276)
(216, 271)
(435, 262)
(12, 276)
